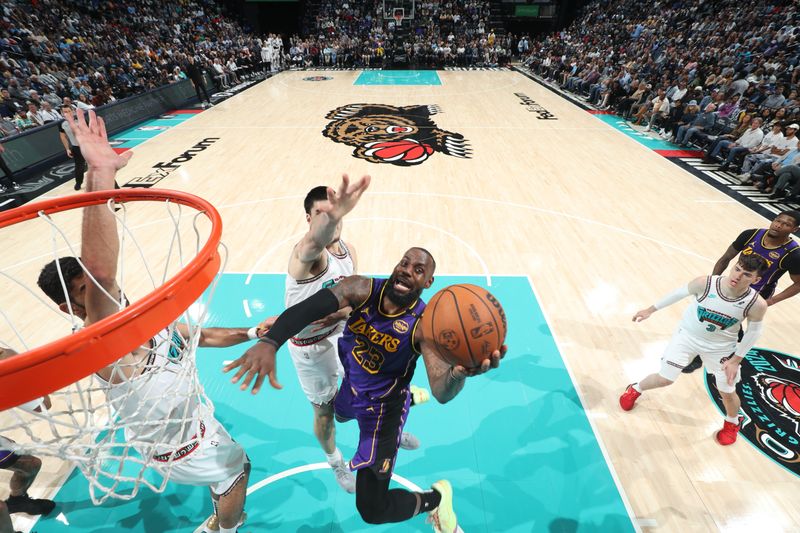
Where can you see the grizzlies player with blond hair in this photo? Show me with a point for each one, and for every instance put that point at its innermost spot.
(710, 327)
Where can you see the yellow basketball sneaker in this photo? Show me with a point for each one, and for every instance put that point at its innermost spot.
(443, 518)
(419, 395)
(212, 524)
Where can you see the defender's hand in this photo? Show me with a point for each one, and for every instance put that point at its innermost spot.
(93, 140)
(330, 320)
(346, 197)
(731, 369)
(258, 362)
(265, 326)
(644, 314)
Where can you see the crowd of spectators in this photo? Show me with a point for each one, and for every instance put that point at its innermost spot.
(446, 33)
(91, 52)
(715, 75)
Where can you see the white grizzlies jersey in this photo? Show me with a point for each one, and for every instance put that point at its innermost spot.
(166, 389)
(714, 320)
(338, 268)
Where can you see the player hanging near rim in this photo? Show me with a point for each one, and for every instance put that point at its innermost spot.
(379, 357)
(782, 254)
(137, 381)
(710, 327)
(320, 260)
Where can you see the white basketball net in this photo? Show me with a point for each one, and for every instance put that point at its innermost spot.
(129, 433)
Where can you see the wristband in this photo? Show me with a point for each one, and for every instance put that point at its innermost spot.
(269, 341)
(252, 333)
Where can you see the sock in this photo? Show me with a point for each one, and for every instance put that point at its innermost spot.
(733, 420)
(429, 501)
(636, 387)
(335, 457)
(233, 529)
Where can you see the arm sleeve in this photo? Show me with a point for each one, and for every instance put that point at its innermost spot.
(675, 296)
(298, 316)
(749, 339)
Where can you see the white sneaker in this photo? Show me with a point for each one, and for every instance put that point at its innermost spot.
(344, 477)
(409, 441)
(743, 176)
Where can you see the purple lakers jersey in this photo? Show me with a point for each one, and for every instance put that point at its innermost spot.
(377, 349)
(779, 259)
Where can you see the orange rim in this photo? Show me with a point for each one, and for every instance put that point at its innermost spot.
(55, 365)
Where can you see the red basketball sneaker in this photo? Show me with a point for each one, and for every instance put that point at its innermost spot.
(727, 435)
(628, 398)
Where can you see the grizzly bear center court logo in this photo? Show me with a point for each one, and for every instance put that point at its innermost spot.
(403, 136)
(770, 394)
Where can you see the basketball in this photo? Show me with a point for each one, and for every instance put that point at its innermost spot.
(466, 323)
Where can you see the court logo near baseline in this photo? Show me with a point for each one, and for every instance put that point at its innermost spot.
(161, 170)
(532, 107)
(317, 78)
(770, 394)
(403, 136)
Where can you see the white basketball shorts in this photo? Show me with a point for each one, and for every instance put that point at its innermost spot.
(682, 348)
(318, 368)
(217, 462)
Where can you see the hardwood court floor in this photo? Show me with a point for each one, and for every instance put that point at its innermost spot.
(600, 224)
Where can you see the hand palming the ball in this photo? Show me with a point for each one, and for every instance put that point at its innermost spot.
(460, 372)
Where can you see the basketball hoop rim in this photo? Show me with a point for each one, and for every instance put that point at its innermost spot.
(32, 374)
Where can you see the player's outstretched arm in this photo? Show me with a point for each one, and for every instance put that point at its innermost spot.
(259, 361)
(99, 239)
(223, 337)
(696, 286)
(323, 227)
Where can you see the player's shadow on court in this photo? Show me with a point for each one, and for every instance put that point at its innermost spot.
(148, 512)
(539, 372)
(523, 464)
